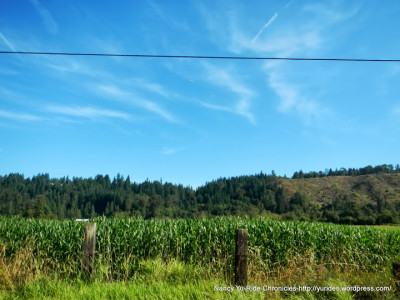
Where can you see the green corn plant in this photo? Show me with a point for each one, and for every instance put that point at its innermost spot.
(122, 244)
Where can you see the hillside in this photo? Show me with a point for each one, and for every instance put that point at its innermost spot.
(372, 198)
(363, 189)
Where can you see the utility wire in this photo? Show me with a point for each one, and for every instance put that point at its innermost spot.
(200, 56)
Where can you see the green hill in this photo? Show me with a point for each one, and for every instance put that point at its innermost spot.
(369, 195)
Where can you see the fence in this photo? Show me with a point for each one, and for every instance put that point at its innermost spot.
(89, 249)
(268, 235)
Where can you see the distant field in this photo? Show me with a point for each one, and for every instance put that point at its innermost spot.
(383, 227)
(388, 227)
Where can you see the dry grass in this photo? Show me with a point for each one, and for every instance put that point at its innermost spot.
(326, 189)
(25, 268)
(18, 270)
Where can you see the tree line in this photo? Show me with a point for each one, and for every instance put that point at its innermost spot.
(380, 169)
(256, 195)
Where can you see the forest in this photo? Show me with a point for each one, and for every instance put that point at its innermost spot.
(369, 195)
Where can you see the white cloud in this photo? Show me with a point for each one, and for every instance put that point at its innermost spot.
(6, 71)
(170, 151)
(284, 40)
(288, 94)
(86, 112)
(162, 14)
(284, 43)
(214, 107)
(65, 65)
(307, 31)
(151, 87)
(22, 117)
(112, 90)
(289, 3)
(129, 98)
(155, 108)
(11, 47)
(292, 100)
(46, 17)
(7, 42)
(326, 15)
(394, 70)
(224, 78)
(70, 67)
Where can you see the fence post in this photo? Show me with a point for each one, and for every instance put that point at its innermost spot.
(396, 274)
(241, 257)
(89, 247)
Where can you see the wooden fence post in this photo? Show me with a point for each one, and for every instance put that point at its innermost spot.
(241, 257)
(89, 247)
(396, 274)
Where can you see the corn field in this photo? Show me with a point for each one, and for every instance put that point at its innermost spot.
(121, 244)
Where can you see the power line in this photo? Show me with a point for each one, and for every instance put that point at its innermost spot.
(201, 57)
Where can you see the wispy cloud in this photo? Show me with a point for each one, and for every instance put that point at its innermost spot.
(6, 71)
(393, 70)
(112, 90)
(86, 112)
(155, 108)
(303, 36)
(266, 25)
(396, 110)
(284, 41)
(170, 151)
(115, 91)
(47, 19)
(289, 3)
(8, 95)
(69, 65)
(160, 11)
(287, 40)
(240, 108)
(223, 78)
(21, 117)
(151, 87)
(127, 97)
(291, 99)
(288, 95)
(7, 42)
(281, 44)
(330, 14)
(215, 107)
(10, 46)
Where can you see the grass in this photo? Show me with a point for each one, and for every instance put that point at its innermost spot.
(122, 290)
(156, 279)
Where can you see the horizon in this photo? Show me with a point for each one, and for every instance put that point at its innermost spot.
(162, 181)
(192, 121)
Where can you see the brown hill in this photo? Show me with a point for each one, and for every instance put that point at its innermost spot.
(362, 189)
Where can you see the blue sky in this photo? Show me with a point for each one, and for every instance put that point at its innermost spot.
(191, 121)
